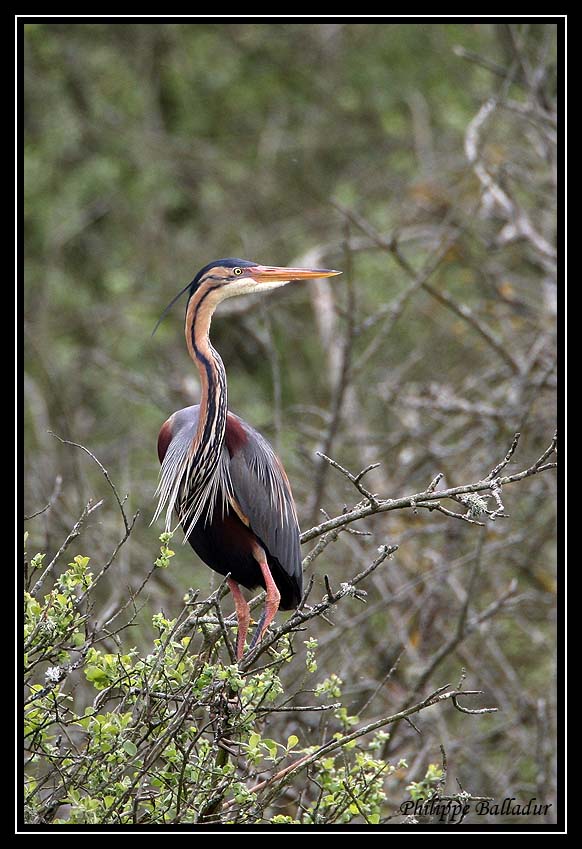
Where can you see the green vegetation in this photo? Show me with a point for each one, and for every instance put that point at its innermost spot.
(154, 745)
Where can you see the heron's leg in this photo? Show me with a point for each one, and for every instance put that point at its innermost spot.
(272, 600)
(243, 616)
(273, 596)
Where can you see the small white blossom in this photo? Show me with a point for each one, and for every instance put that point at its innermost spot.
(53, 673)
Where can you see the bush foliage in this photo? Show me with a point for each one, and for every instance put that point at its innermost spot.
(156, 744)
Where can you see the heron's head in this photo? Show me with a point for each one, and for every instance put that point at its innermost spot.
(229, 277)
(225, 278)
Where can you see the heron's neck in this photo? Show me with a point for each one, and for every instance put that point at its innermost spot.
(209, 439)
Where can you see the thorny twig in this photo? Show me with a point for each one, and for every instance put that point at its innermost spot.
(355, 479)
(55, 494)
(73, 534)
(128, 523)
(106, 475)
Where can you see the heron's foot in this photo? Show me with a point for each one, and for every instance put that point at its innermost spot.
(259, 631)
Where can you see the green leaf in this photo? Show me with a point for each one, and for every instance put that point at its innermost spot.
(80, 561)
(292, 741)
(271, 746)
(94, 673)
(130, 748)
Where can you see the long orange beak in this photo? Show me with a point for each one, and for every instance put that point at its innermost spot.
(273, 273)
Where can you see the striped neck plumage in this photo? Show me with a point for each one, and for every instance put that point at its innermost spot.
(208, 442)
(194, 473)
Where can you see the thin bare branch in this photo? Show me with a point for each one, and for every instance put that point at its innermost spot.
(361, 511)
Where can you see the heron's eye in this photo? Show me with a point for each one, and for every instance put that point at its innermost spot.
(237, 271)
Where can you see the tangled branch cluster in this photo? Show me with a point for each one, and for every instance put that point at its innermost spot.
(178, 735)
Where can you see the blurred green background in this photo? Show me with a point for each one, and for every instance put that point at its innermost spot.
(152, 149)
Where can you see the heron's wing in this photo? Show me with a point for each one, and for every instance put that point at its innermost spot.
(262, 490)
(179, 488)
